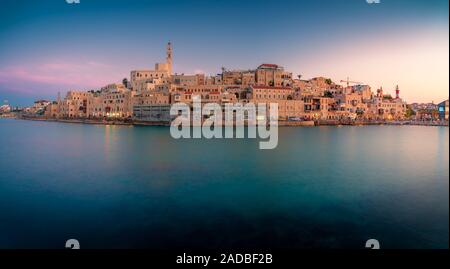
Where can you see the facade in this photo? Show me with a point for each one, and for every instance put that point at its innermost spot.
(290, 109)
(188, 80)
(151, 106)
(74, 105)
(385, 107)
(116, 101)
(52, 110)
(95, 108)
(268, 93)
(352, 102)
(269, 75)
(318, 107)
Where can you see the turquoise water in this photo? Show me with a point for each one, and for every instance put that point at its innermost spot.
(136, 187)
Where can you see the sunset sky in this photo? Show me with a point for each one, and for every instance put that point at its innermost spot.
(49, 46)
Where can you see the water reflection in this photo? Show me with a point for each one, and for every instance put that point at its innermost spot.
(139, 187)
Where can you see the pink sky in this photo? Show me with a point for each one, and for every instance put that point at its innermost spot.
(417, 62)
(419, 66)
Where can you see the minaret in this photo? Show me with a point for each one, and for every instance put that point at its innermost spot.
(169, 58)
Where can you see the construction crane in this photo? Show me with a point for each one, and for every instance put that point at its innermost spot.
(348, 82)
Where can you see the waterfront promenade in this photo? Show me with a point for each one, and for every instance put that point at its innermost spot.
(280, 123)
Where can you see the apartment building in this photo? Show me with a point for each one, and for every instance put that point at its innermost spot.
(74, 105)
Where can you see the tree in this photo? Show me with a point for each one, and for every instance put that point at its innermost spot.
(328, 81)
(328, 94)
(409, 112)
(125, 82)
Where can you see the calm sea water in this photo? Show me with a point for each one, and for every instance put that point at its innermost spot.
(136, 187)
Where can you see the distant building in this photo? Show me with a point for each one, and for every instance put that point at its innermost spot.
(385, 107)
(5, 109)
(52, 110)
(38, 107)
(443, 110)
(423, 106)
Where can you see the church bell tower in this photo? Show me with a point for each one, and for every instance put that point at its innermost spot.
(169, 58)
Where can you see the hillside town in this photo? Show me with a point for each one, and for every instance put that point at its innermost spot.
(146, 97)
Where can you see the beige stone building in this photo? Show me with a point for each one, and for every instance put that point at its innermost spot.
(117, 101)
(151, 106)
(269, 75)
(74, 105)
(385, 107)
(205, 92)
(151, 98)
(317, 86)
(162, 71)
(318, 107)
(288, 107)
(95, 107)
(188, 80)
(214, 80)
(112, 101)
(150, 84)
(52, 110)
(261, 93)
(232, 77)
(352, 102)
(248, 78)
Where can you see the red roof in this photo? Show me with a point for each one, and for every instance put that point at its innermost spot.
(269, 65)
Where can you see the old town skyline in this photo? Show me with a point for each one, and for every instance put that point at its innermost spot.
(147, 95)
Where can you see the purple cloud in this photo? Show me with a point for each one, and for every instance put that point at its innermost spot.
(64, 75)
